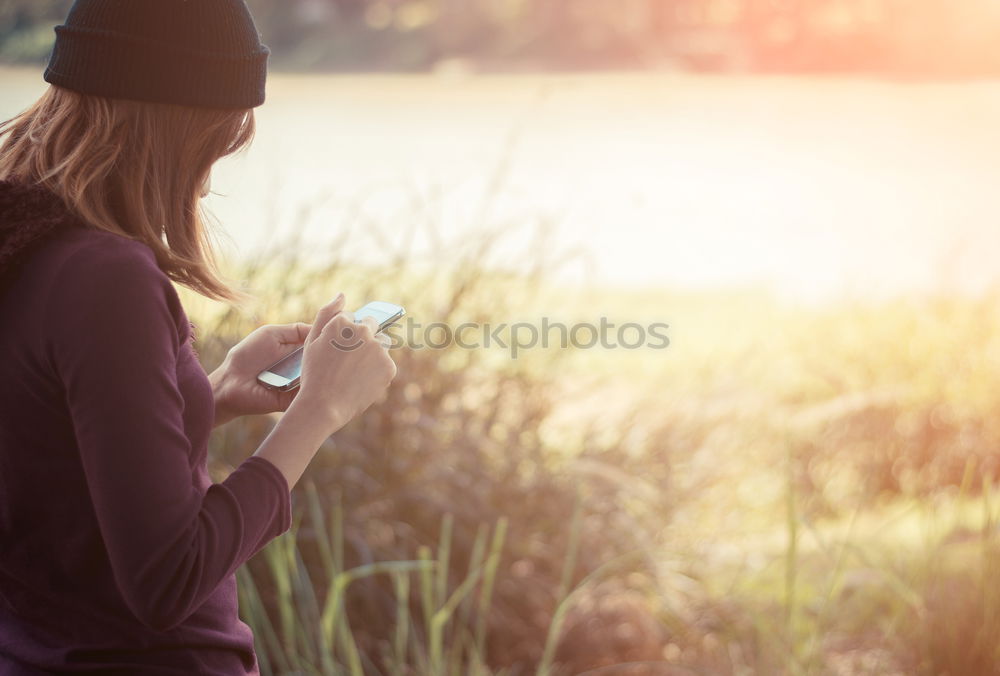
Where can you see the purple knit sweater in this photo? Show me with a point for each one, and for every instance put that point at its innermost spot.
(117, 552)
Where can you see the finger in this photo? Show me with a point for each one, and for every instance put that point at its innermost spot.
(290, 334)
(285, 399)
(370, 322)
(342, 332)
(323, 317)
(303, 330)
(384, 340)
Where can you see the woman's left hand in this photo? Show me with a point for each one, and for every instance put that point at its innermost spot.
(235, 385)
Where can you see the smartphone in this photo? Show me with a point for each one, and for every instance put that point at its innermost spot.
(284, 374)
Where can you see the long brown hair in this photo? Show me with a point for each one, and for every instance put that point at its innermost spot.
(132, 168)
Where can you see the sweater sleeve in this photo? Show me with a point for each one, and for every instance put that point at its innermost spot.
(113, 323)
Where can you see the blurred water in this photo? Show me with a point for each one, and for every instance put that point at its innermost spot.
(815, 187)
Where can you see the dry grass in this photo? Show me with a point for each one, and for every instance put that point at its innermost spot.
(785, 490)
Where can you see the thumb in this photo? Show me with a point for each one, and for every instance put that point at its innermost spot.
(302, 330)
(291, 334)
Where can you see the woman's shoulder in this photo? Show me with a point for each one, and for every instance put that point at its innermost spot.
(89, 247)
(109, 274)
(36, 226)
(59, 274)
(89, 261)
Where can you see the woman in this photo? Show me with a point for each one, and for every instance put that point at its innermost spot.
(117, 552)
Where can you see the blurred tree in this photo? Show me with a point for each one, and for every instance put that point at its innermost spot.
(26, 28)
(933, 37)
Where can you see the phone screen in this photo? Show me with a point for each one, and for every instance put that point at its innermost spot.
(290, 367)
(382, 312)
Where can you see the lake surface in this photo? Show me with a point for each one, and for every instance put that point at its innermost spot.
(814, 187)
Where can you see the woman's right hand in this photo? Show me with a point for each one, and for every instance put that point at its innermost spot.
(345, 366)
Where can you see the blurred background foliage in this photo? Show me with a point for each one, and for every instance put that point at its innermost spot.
(792, 489)
(927, 37)
(813, 493)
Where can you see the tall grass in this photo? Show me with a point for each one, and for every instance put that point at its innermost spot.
(811, 494)
(314, 634)
(442, 531)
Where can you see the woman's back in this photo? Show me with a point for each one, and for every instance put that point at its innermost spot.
(106, 418)
(117, 552)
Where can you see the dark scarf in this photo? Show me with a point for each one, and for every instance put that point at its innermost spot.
(29, 216)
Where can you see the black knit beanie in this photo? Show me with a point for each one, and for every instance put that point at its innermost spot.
(189, 52)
